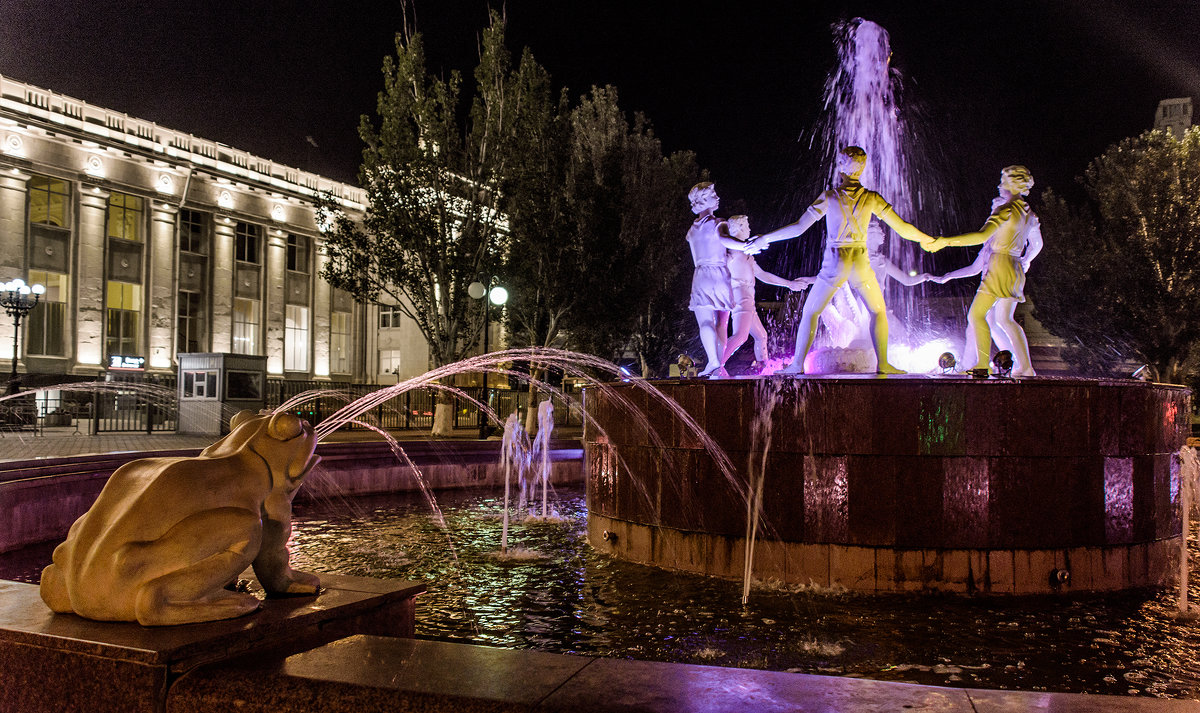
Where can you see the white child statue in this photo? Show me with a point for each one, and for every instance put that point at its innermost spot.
(743, 271)
(1013, 238)
(847, 210)
(712, 295)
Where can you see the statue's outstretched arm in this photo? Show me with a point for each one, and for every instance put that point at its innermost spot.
(978, 237)
(815, 212)
(974, 268)
(903, 228)
(770, 278)
(893, 271)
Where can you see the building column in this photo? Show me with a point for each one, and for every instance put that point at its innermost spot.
(221, 325)
(274, 300)
(160, 280)
(13, 221)
(88, 288)
(322, 304)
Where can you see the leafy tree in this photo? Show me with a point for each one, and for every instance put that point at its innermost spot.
(629, 204)
(431, 224)
(1120, 274)
(589, 201)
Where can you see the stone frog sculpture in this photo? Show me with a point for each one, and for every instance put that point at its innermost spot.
(167, 535)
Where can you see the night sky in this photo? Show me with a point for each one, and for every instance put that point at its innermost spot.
(1048, 84)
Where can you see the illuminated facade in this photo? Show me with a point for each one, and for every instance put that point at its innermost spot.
(152, 242)
(1174, 115)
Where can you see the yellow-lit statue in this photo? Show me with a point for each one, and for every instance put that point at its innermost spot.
(1013, 237)
(847, 210)
(166, 536)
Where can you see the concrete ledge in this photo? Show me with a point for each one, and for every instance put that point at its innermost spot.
(368, 674)
(61, 662)
(891, 569)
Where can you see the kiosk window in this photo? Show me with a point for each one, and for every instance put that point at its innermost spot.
(245, 385)
(200, 384)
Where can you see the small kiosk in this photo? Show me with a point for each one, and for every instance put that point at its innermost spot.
(215, 386)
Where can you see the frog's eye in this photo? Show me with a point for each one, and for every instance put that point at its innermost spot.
(241, 417)
(284, 427)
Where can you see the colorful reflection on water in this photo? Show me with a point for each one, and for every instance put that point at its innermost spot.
(558, 595)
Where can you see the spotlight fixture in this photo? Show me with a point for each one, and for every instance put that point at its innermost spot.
(1003, 361)
(947, 362)
(1145, 372)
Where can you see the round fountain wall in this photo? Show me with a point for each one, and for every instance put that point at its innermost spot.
(898, 484)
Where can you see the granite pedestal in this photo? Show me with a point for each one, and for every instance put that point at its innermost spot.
(61, 662)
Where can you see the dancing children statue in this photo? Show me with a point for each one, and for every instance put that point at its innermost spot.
(743, 271)
(1013, 237)
(712, 294)
(847, 210)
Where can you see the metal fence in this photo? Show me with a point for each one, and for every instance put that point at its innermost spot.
(149, 404)
(134, 403)
(411, 409)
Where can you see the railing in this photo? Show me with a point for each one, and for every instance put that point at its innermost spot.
(150, 404)
(412, 409)
(134, 403)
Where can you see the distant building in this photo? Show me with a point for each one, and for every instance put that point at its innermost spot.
(152, 242)
(1174, 115)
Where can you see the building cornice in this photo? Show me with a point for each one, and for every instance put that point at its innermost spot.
(23, 104)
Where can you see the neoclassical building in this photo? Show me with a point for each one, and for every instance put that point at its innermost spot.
(151, 242)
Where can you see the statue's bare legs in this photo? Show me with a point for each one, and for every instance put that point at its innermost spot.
(998, 336)
(818, 298)
(868, 288)
(714, 325)
(1018, 344)
(978, 345)
(745, 325)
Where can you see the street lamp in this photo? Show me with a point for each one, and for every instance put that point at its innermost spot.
(17, 298)
(496, 295)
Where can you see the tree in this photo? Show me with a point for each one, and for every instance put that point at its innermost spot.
(589, 200)
(1120, 274)
(629, 206)
(432, 221)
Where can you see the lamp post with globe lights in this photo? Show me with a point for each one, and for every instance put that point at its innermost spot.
(18, 299)
(496, 295)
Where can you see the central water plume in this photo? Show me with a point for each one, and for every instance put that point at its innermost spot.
(862, 108)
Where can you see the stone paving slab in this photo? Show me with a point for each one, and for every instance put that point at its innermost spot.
(366, 674)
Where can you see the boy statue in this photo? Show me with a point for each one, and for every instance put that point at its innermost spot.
(847, 210)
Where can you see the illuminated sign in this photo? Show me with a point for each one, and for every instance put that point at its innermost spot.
(120, 361)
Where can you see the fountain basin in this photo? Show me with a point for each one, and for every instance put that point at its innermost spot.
(892, 484)
(42, 497)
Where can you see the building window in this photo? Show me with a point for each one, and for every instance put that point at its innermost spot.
(124, 318)
(295, 338)
(193, 232)
(125, 217)
(48, 201)
(297, 253)
(192, 323)
(389, 361)
(389, 316)
(248, 244)
(47, 322)
(245, 326)
(339, 343)
(200, 384)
